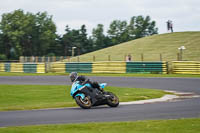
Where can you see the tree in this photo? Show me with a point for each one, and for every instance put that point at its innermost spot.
(85, 46)
(27, 34)
(31, 34)
(66, 41)
(118, 32)
(121, 31)
(43, 34)
(76, 38)
(56, 48)
(98, 37)
(2, 48)
(141, 27)
(12, 32)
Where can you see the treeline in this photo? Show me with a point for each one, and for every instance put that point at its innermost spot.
(28, 34)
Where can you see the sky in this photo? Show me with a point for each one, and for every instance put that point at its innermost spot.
(185, 14)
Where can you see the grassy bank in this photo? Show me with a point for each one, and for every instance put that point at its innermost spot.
(160, 47)
(152, 126)
(101, 74)
(151, 47)
(22, 97)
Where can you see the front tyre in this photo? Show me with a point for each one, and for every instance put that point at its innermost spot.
(83, 103)
(112, 100)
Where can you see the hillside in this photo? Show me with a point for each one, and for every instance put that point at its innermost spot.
(152, 48)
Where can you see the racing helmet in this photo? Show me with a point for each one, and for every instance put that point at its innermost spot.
(73, 76)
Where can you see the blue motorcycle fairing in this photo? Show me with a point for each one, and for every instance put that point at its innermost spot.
(102, 85)
(76, 86)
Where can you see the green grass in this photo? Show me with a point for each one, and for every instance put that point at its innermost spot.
(100, 74)
(24, 97)
(151, 126)
(151, 47)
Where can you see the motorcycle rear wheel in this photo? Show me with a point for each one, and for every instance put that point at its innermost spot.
(83, 103)
(113, 100)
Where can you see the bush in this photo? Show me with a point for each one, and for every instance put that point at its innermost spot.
(3, 57)
(51, 54)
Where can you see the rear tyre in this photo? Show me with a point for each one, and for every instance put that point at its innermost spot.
(112, 100)
(83, 103)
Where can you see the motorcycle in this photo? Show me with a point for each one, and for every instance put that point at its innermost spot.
(87, 96)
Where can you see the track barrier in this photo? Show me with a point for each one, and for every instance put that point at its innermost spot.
(23, 67)
(109, 67)
(146, 67)
(60, 67)
(178, 67)
(186, 67)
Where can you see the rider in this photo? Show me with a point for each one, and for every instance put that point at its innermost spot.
(83, 80)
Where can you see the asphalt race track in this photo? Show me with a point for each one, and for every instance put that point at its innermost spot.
(186, 108)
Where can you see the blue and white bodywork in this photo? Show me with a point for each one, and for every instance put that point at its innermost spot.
(87, 95)
(76, 86)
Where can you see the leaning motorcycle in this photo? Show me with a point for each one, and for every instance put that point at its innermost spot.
(86, 96)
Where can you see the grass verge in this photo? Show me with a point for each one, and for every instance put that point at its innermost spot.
(151, 126)
(101, 74)
(151, 47)
(23, 97)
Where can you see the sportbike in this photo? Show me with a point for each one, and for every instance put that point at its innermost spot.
(87, 96)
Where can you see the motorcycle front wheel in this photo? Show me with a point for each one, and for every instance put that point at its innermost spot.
(113, 100)
(83, 103)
